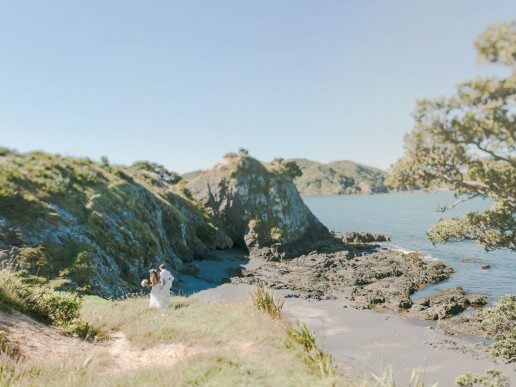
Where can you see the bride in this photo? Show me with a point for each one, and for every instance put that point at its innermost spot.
(155, 295)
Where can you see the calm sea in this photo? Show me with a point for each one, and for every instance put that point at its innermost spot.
(405, 217)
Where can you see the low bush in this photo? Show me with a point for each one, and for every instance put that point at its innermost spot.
(29, 295)
(6, 346)
(39, 301)
(491, 378)
(499, 322)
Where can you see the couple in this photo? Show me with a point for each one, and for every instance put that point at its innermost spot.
(160, 284)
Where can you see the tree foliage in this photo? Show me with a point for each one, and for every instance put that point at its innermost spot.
(468, 143)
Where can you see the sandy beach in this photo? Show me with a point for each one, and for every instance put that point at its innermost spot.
(362, 342)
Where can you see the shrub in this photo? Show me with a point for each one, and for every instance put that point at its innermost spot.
(6, 346)
(499, 321)
(264, 300)
(29, 295)
(84, 330)
(276, 233)
(39, 301)
(491, 378)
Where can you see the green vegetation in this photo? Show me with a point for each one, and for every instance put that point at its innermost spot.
(467, 143)
(338, 177)
(491, 378)
(264, 300)
(29, 295)
(89, 222)
(303, 335)
(288, 168)
(276, 233)
(499, 322)
(214, 344)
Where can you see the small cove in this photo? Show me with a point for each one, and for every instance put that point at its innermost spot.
(405, 217)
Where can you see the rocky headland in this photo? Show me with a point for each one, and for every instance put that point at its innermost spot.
(259, 207)
(98, 228)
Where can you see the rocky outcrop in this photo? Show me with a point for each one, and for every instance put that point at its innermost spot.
(447, 303)
(258, 207)
(364, 277)
(362, 237)
(95, 227)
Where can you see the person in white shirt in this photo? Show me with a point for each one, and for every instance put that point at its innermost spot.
(166, 279)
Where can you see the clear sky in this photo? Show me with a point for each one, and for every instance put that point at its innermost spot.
(183, 82)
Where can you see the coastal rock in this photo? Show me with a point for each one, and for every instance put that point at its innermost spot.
(447, 303)
(259, 207)
(383, 278)
(363, 237)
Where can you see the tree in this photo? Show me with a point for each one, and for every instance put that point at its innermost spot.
(468, 143)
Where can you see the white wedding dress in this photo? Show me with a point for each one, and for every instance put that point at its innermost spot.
(156, 297)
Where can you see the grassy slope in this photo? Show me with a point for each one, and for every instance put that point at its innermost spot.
(82, 223)
(228, 345)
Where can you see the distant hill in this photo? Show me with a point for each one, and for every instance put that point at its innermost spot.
(338, 178)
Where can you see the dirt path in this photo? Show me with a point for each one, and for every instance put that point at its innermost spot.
(126, 356)
(35, 340)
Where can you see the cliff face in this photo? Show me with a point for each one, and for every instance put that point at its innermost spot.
(338, 178)
(258, 207)
(95, 227)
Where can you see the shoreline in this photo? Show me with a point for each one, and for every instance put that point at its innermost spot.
(362, 342)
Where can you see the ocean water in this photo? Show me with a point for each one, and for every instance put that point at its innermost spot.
(405, 217)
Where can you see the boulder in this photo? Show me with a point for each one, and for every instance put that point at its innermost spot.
(447, 303)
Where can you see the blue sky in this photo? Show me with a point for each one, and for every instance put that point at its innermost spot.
(183, 82)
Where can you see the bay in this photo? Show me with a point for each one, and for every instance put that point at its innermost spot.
(405, 217)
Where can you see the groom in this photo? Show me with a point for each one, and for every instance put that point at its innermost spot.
(166, 279)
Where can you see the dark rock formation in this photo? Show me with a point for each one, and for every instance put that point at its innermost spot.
(363, 237)
(381, 278)
(447, 303)
(258, 207)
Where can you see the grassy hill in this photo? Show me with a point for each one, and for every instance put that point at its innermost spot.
(97, 227)
(338, 178)
(192, 343)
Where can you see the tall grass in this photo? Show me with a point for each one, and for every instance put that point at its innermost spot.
(387, 379)
(263, 299)
(306, 338)
(303, 335)
(229, 344)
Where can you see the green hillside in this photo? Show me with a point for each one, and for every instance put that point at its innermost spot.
(97, 227)
(338, 178)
